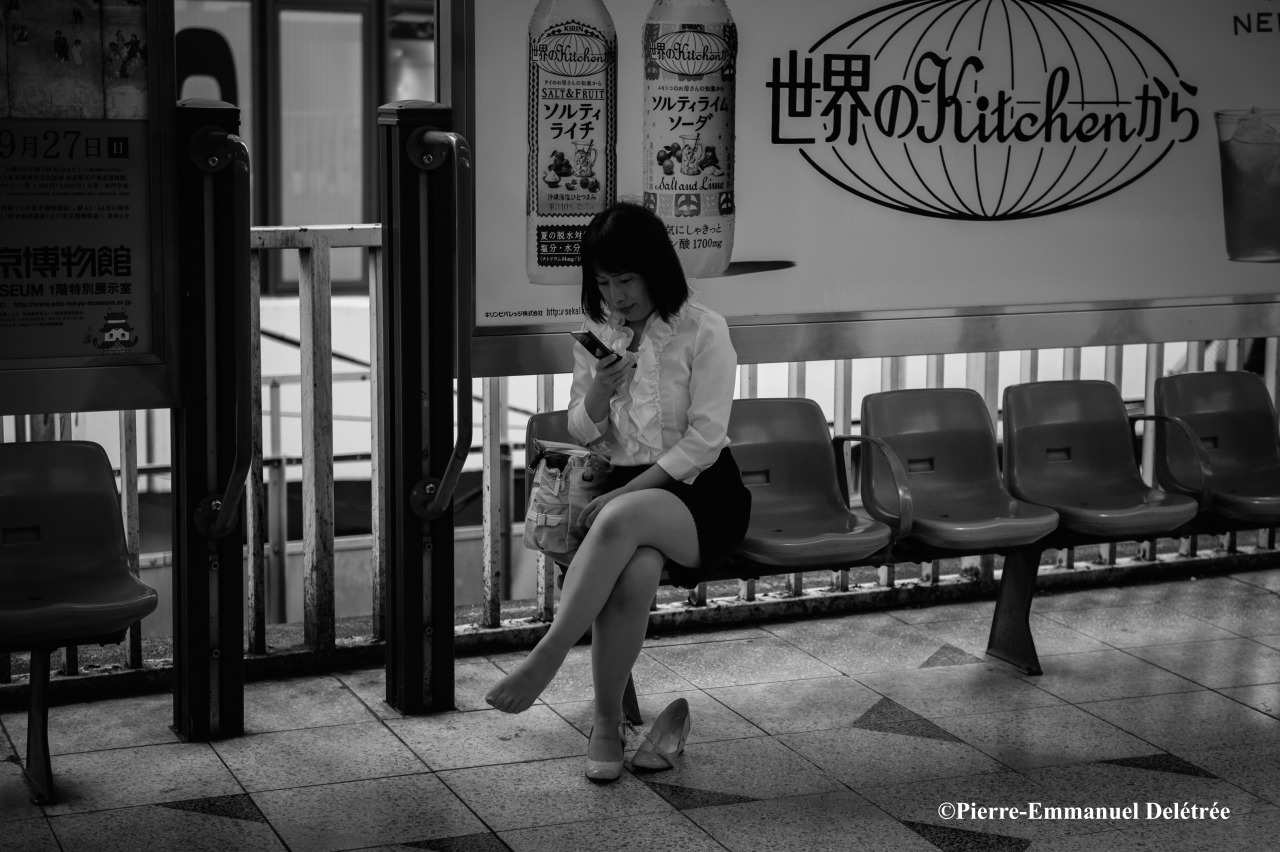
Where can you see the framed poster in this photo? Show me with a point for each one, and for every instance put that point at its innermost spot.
(87, 98)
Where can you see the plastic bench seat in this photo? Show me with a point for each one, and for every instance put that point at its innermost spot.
(799, 519)
(1235, 420)
(945, 439)
(549, 426)
(64, 568)
(1069, 446)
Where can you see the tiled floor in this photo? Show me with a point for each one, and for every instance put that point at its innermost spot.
(843, 733)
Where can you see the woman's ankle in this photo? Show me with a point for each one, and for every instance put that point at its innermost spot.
(543, 658)
(604, 740)
(608, 720)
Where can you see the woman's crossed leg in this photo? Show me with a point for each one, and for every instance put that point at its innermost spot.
(609, 586)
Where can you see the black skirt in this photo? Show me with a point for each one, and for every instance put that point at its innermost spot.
(721, 508)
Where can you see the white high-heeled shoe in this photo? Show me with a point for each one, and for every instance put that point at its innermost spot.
(665, 740)
(607, 770)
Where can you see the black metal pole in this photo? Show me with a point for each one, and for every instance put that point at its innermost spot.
(209, 427)
(424, 310)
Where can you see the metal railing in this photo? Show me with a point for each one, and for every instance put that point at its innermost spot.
(266, 522)
(982, 372)
(315, 290)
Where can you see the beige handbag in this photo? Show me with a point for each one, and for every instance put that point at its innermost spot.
(566, 477)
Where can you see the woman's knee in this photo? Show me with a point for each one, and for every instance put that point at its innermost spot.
(638, 582)
(614, 522)
(642, 573)
(647, 559)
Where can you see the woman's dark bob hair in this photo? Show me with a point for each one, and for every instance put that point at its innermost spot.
(626, 237)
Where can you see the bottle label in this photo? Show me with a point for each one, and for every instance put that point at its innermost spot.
(572, 85)
(690, 74)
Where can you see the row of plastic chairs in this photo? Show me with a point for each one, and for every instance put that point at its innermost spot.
(934, 483)
(935, 487)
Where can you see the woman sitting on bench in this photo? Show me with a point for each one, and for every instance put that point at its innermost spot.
(662, 405)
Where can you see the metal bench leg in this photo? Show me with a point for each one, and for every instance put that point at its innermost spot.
(39, 769)
(631, 703)
(1011, 626)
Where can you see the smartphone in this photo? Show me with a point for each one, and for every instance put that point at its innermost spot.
(592, 344)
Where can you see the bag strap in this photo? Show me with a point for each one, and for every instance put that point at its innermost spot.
(540, 450)
(555, 460)
(533, 454)
(588, 457)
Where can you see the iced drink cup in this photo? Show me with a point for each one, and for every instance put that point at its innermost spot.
(1249, 144)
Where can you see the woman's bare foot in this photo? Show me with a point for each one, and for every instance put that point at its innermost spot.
(516, 692)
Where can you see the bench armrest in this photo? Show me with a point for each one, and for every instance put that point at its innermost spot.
(1204, 493)
(905, 519)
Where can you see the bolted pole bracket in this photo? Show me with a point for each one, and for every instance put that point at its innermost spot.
(429, 149)
(211, 149)
(422, 499)
(207, 513)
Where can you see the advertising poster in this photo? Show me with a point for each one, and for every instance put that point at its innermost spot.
(124, 58)
(54, 65)
(7, 36)
(75, 220)
(917, 157)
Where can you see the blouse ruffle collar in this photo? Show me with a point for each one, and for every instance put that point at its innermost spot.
(643, 405)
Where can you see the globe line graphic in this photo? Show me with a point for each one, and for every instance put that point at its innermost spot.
(952, 210)
(1034, 170)
(1004, 182)
(1057, 202)
(1020, 5)
(944, 205)
(1073, 11)
(992, 109)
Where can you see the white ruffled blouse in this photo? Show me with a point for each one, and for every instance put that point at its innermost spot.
(675, 412)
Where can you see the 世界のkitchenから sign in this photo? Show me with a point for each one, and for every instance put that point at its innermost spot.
(982, 110)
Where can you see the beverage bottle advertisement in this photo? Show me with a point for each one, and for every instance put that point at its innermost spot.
(572, 127)
(690, 70)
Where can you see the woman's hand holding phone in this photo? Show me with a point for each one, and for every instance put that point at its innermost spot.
(613, 371)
